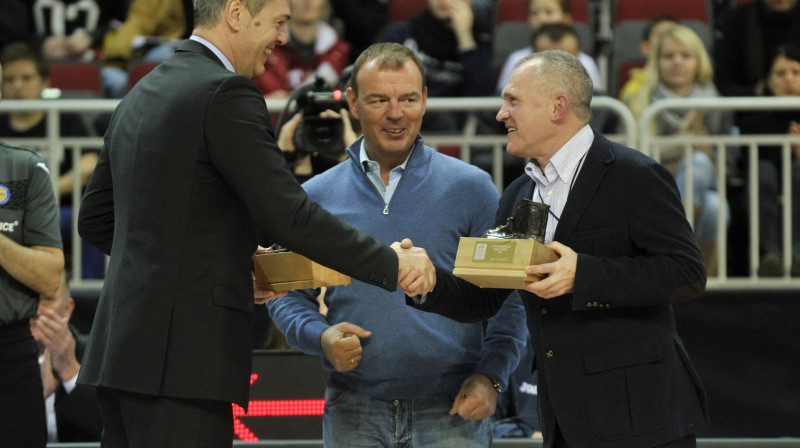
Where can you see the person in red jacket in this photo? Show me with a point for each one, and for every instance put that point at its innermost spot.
(314, 50)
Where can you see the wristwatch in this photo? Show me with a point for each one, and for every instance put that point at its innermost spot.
(497, 386)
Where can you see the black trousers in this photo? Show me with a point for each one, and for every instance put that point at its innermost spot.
(689, 441)
(22, 416)
(132, 420)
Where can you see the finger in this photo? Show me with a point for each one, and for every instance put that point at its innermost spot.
(406, 243)
(456, 404)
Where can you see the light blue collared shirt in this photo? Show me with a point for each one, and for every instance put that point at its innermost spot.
(373, 171)
(215, 50)
(555, 182)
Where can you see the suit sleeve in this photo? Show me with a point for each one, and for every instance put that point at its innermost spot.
(241, 144)
(96, 215)
(666, 266)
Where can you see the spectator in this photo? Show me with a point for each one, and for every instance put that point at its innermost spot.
(26, 77)
(637, 77)
(31, 263)
(782, 80)
(73, 414)
(391, 365)
(151, 31)
(314, 50)
(544, 12)
(750, 35)
(363, 21)
(453, 40)
(679, 67)
(74, 29)
(517, 413)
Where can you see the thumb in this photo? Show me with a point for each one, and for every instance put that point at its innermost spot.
(406, 243)
(456, 404)
(352, 329)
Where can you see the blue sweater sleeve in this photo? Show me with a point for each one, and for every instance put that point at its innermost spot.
(297, 316)
(505, 334)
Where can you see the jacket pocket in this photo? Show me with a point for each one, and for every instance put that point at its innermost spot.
(627, 388)
(234, 298)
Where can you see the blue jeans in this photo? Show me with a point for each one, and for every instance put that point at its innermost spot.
(353, 420)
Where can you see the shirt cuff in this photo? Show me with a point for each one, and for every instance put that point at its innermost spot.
(70, 384)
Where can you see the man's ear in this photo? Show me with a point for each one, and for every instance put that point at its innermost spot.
(560, 107)
(350, 94)
(234, 14)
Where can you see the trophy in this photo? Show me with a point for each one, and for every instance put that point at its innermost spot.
(280, 269)
(499, 259)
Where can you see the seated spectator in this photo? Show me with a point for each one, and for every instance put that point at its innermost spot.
(74, 29)
(636, 76)
(362, 20)
(783, 79)
(453, 40)
(314, 50)
(679, 67)
(73, 413)
(25, 77)
(544, 12)
(517, 413)
(750, 35)
(151, 31)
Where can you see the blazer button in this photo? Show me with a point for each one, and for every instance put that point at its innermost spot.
(589, 305)
(543, 311)
(549, 354)
(383, 281)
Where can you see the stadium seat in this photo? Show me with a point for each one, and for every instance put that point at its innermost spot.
(138, 70)
(403, 10)
(646, 10)
(76, 77)
(512, 11)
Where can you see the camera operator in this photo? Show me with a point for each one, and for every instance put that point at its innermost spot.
(305, 164)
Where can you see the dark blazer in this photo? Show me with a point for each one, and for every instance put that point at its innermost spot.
(612, 370)
(188, 182)
(78, 416)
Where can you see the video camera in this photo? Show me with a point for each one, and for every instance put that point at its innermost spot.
(315, 133)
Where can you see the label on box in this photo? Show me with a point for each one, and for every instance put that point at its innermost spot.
(499, 252)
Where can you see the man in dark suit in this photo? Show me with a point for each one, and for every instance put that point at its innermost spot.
(73, 414)
(612, 369)
(189, 182)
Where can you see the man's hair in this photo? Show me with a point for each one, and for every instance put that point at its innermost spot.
(207, 12)
(23, 51)
(389, 55)
(564, 73)
(556, 32)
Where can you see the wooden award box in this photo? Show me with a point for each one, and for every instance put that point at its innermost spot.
(500, 263)
(286, 271)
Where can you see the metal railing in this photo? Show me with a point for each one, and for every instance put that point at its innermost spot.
(629, 134)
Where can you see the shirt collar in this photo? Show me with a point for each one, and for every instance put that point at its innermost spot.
(363, 157)
(225, 61)
(563, 164)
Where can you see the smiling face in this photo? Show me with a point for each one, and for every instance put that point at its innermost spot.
(258, 35)
(390, 106)
(526, 113)
(784, 77)
(308, 11)
(677, 64)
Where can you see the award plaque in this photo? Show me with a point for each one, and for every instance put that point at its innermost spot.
(499, 259)
(284, 270)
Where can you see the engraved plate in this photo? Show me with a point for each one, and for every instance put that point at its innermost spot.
(500, 252)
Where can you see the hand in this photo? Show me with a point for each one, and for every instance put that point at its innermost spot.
(348, 135)
(52, 331)
(560, 274)
(461, 19)
(416, 274)
(341, 344)
(49, 381)
(476, 400)
(286, 133)
(261, 294)
(78, 43)
(55, 47)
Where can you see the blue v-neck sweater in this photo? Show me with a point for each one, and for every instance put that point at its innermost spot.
(411, 354)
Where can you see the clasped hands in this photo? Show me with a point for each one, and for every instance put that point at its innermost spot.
(416, 274)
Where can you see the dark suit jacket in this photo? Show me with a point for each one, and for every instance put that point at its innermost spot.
(188, 182)
(612, 370)
(78, 416)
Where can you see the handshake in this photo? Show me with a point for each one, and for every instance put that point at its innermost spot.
(416, 274)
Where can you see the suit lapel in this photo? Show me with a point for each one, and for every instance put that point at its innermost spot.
(589, 178)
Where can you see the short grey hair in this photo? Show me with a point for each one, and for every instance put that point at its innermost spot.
(565, 74)
(207, 12)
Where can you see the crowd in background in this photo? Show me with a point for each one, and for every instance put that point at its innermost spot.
(754, 51)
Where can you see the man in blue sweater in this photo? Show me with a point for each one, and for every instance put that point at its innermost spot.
(400, 376)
